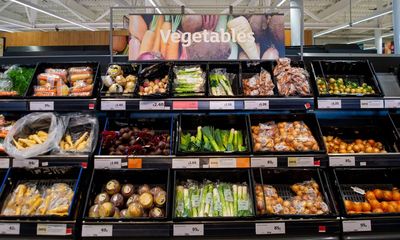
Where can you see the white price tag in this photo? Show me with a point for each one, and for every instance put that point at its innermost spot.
(52, 229)
(97, 230)
(152, 105)
(186, 163)
(330, 104)
(357, 226)
(389, 103)
(9, 228)
(41, 106)
(188, 229)
(270, 228)
(348, 161)
(300, 161)
(371, 103)
(257, 105)
(27, 163)
(113, 105)
(269, 162)
(222, 105)
(107, 163)
(222, 162)
(4, 162)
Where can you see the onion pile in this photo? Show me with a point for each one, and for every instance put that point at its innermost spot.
(337, 145)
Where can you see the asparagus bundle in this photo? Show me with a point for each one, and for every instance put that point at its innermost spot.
(212, 200)
(220, 82)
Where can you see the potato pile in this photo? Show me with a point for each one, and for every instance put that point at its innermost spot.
(308, 200)
(283, 136)
(156, 86)
(377, 201)
(34, 139)
(31, 199)
(337, 145)
(80, 144)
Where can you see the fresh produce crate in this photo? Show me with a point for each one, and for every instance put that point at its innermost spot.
(231, 176)
(231, 68)
(352, 129)
(292, 193)
(41, 69)
(127, 69)
(5, 68)
(9, 119)
(162, 125)
(205, 75)
(308, 119)
(363, 186)
(357, 72)
(136, 177)
(42, 177)
(158, 71)
(188, 124)
(251, 68)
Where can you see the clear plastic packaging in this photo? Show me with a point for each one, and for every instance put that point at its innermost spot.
(221, 82)
(58, 71)
(189, 81)
(155, 81)
(291, 81)
(49, 79)
(81, 88)
(33, 135)
(260, 84)
(80, 135)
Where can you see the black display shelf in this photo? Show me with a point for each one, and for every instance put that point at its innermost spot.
(95, 230)
(364, 160)
(205, 104)
(371, 228)
(13, 105)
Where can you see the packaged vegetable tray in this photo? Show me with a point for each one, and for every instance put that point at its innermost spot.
(257, 80)
(154, 81)
(223, 80)
(189, 79)
(121, 80)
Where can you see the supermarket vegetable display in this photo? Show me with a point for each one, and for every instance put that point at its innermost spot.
(189, 81)
(212, 199)
(376, 201)
(119, 83)
(221, 82)
(283, 136)
(5, 125)
(259, 84)
(137, 141)
(210, 139)
(154, 80)
(337, 145)
(343, 87)
(291, 81)
(37, 198)
(307, 200)
(129, 201)
(15, 80)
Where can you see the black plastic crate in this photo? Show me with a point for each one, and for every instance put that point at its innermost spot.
(165, 69)
(159, 125)
(44, 176)
(204, 68)
(345, 179)
(234, 176)
(308, 118)
(128, 69)
(282, 179)
(189, 123)
(4, 68)
(136, 177)
(231, 68)
(95, 66)
(251, 68)
(360, 72)
(350, 128)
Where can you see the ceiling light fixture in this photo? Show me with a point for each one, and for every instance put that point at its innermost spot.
(389, 11)
(332, 30)
(154, 5)
(15, 24)
(369, 48)
(37, 8)
(362, 40)
(5, 30)
(387, 35)
(280, 3)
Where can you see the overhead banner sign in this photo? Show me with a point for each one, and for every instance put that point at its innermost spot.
(206, 37)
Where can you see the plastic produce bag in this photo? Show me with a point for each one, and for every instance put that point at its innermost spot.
(221, 82)
(260, 84)
(189, 81)
(80, 135)
(291, 81)
(38, 124)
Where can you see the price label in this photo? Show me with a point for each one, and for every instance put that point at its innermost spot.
(152, 105)
(392, 103)
(371, 103)
(52, 229)
(185, 105)
(4, 162)
(330, 104)
(222, 162)
(27, 163)
(269, 162)
(97, 230)
(107, 163)
(222, 105)
(188, 229)
(41, 106)
(270, 228)
(186, 163)
(357, 226)
(9, 228)
(301, 162)
(348, 161)
(113, 105)
(256, 105)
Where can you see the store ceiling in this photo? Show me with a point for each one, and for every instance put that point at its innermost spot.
(320, 15)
